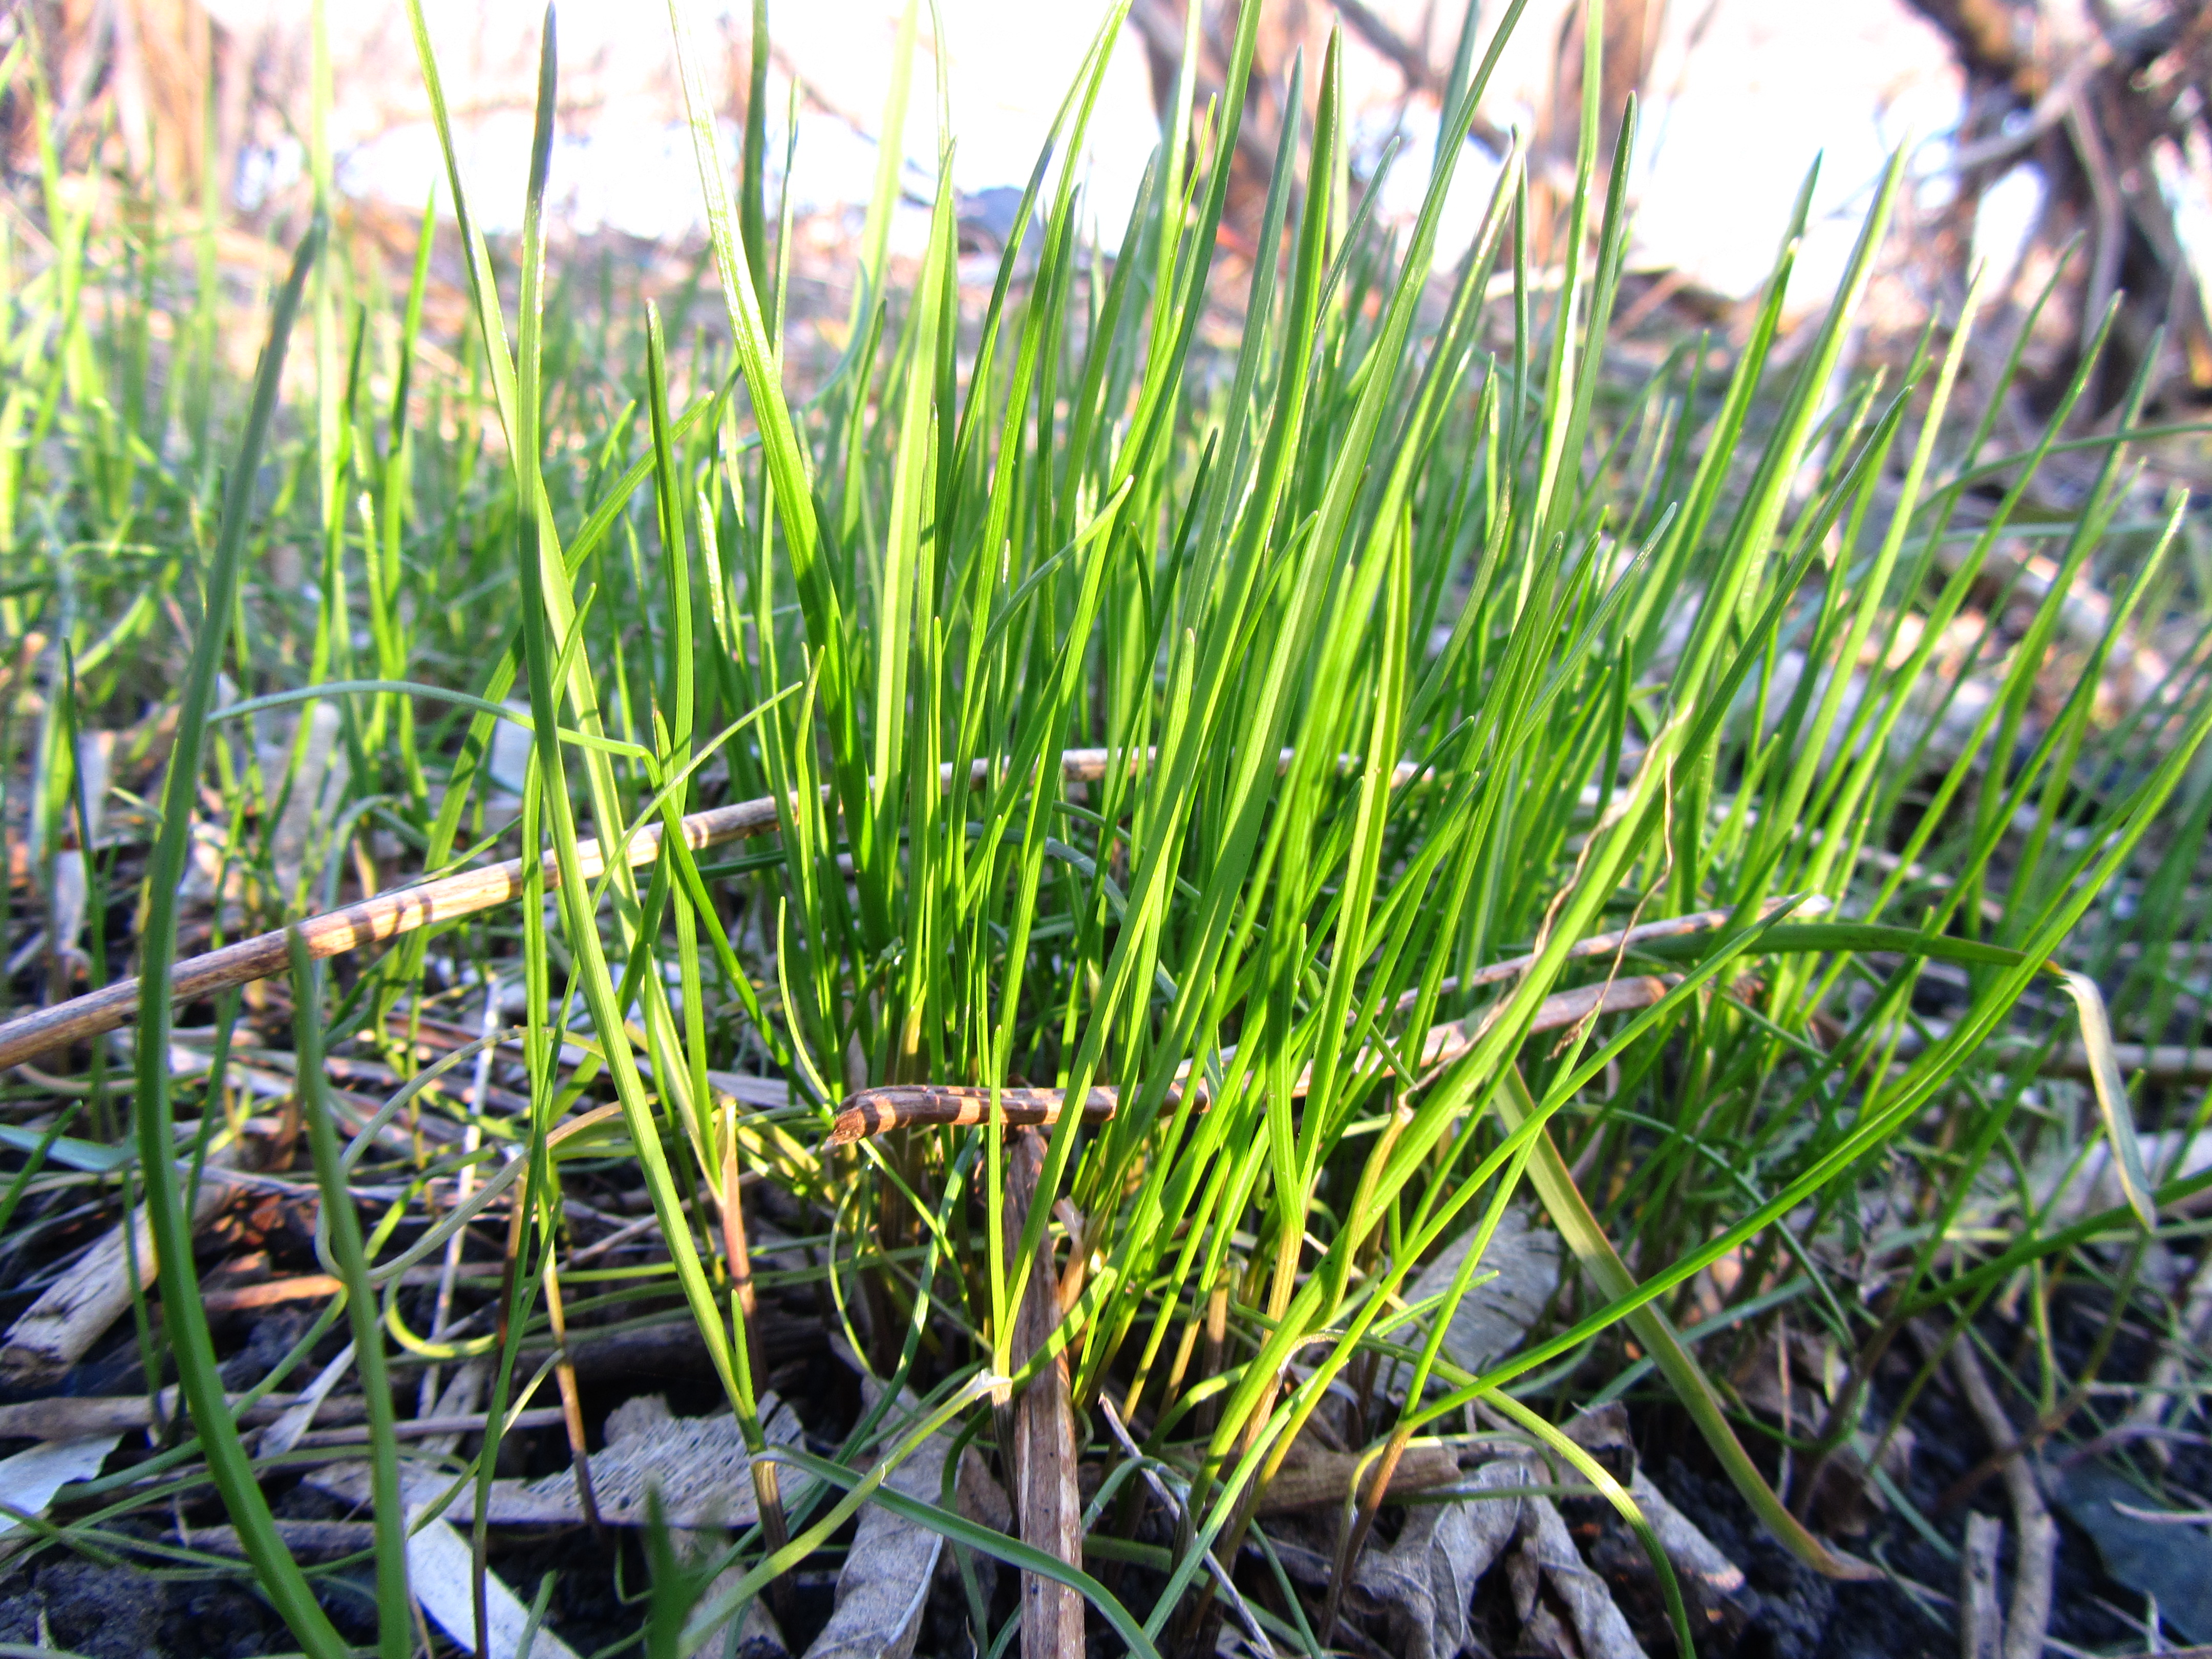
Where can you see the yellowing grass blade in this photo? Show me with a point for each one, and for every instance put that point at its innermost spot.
(2112, 1095)
(1570, 1214)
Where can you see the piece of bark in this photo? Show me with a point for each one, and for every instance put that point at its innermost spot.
(1981, 1623)
(1048, 1504)
(60, 1327)
(698, 1465)
(1423, 1583)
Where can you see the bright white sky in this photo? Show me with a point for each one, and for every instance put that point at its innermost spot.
(1744, 94)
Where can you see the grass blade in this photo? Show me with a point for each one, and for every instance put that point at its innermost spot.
(167, 1217)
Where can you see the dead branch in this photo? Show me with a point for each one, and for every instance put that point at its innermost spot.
(2028, 1619)
(59, 1328)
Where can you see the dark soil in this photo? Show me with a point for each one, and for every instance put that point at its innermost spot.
(129, 1603)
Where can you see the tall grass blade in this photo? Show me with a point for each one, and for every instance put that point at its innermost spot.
(167, 1217)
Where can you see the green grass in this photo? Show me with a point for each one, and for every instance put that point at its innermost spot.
(1419, 632)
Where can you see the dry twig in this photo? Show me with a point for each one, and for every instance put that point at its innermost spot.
(59, 1328)
(2028, 1619)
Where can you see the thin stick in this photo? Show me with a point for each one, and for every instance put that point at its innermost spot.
(1602, 944)
(1981, 1626)
(2028, 1619)
(386, 916)
(900, 1105)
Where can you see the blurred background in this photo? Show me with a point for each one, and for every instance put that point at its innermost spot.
(2030, 127)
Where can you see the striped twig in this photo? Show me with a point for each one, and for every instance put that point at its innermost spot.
(904, 1105)
(388, 916)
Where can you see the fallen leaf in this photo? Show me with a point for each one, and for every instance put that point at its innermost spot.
(2170, 1560)
(1492, 1317)
(441, 1573)
(757, 1635)
(884, 1584)
(1601, 1630)
(1425, 1581)
(29, 1479)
